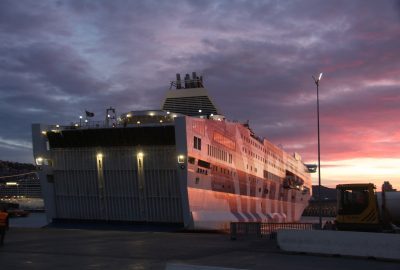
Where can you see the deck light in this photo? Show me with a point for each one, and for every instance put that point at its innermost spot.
(12, 184)
(181, 159)
(39, 161)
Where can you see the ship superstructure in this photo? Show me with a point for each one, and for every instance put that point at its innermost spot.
(182, 164)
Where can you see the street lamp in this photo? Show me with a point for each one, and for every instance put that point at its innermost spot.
(319, 153)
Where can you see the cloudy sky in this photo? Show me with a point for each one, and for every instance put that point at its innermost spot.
(58, 58)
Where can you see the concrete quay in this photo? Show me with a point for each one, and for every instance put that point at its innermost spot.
(361, 244)
(60, 248)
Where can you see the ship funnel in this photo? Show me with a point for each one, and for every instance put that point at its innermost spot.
(194, 82)
(178, 81)
(187, 81)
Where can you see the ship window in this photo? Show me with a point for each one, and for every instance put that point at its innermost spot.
(191, 160)
(204, 164)
(197, 143)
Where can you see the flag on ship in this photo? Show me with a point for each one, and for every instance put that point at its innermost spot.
(89, 114)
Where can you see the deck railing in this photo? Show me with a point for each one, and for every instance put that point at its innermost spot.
(264, 230)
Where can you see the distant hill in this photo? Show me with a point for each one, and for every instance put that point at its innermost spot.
(327, 194)
(10, 168)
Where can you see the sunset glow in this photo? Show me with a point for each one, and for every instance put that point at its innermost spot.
(361, 170)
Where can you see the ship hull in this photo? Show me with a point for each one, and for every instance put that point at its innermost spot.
(202, 173)
(213, 210)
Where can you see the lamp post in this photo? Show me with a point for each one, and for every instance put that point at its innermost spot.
(319, 154)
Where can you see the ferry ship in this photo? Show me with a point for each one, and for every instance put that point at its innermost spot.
(184, 163)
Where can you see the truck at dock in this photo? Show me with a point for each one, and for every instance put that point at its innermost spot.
(361, 208)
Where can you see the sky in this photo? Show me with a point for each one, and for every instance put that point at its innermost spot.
(60, 58)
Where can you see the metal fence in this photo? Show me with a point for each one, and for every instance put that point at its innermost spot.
(264, 230)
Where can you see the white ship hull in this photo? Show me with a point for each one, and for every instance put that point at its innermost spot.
(200, 171)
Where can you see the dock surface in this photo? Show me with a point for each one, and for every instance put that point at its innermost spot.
(58, 248)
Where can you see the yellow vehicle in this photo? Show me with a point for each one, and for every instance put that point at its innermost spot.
(360, 208)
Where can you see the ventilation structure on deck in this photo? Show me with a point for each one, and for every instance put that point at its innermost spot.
(189, 98)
